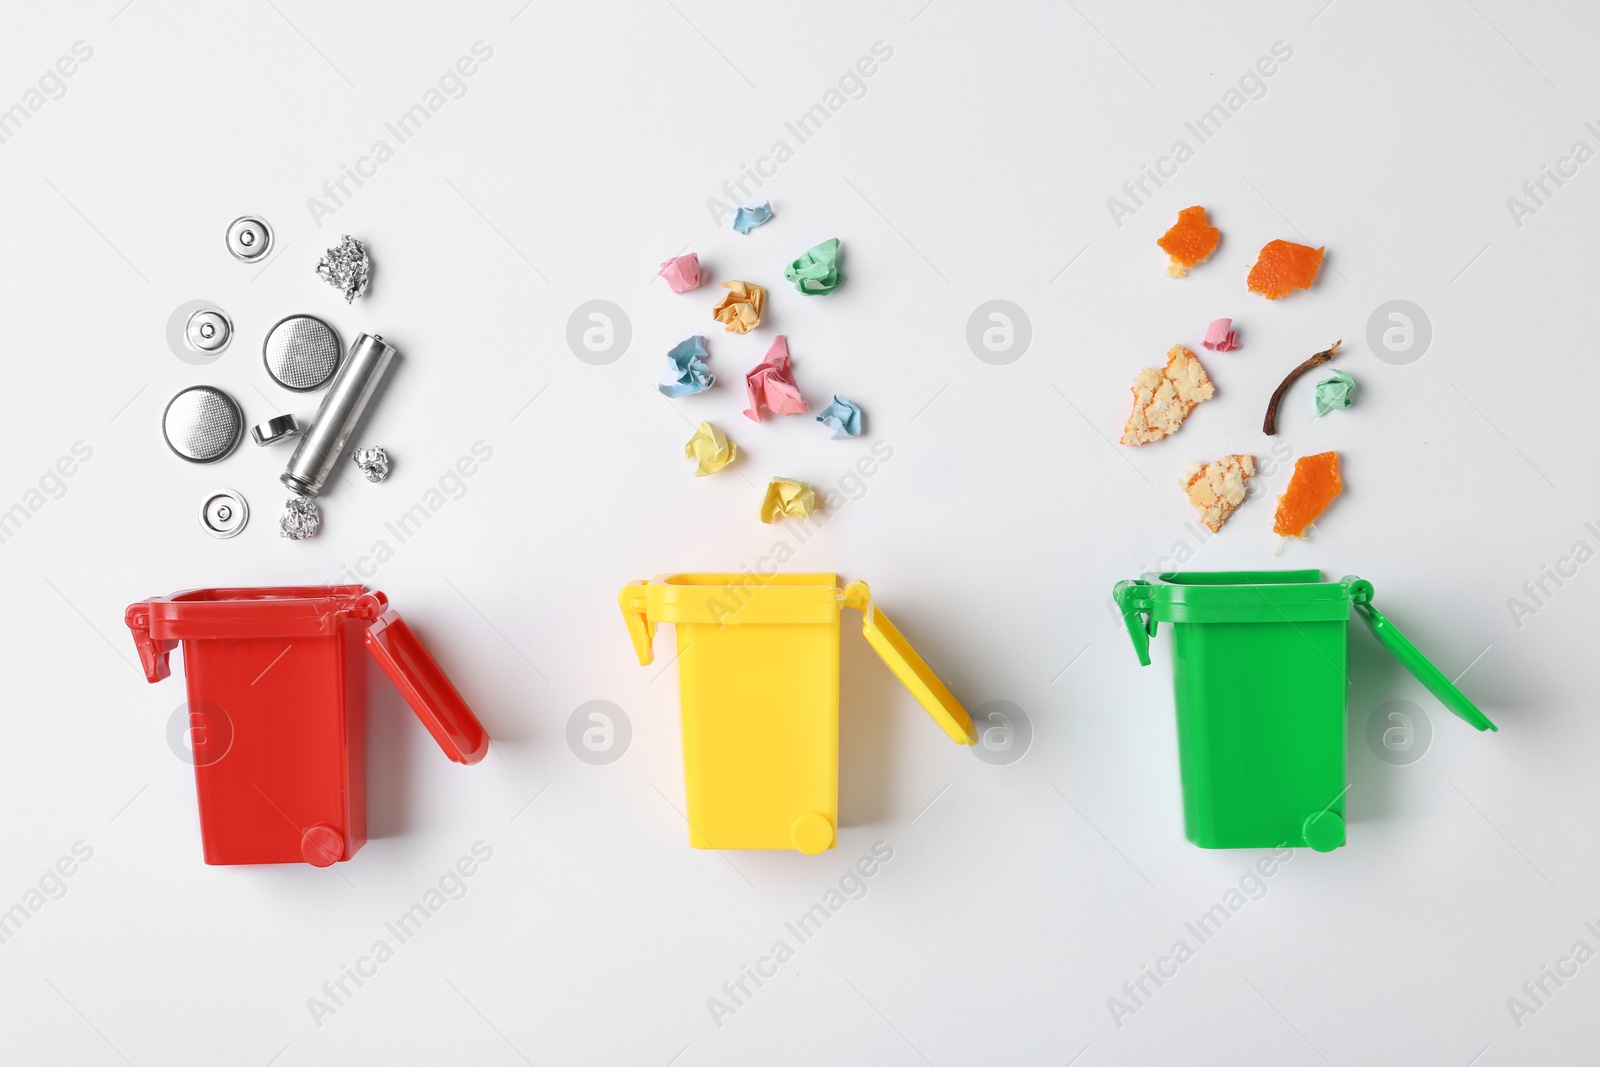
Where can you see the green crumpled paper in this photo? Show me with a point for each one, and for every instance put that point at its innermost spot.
(1335, 393)
(817, 271)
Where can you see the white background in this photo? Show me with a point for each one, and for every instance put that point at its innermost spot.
(976, 166)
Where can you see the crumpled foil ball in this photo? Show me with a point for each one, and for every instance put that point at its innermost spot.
(346, 267)
(300, 518)
(374, 463)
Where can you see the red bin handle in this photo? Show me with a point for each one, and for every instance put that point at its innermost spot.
(155, 656)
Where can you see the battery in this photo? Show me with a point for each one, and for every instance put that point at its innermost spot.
(301, 352)
(202, 424)
(343, 405)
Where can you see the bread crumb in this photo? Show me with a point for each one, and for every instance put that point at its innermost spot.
(1163, 398)
(1218, 487)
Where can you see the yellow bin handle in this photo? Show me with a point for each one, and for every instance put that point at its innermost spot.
(912, 670)
(635, 601)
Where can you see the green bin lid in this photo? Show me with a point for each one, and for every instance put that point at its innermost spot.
(1401, 648)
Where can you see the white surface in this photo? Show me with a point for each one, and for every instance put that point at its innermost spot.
(976, 166)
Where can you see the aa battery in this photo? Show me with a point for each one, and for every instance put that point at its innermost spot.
(341, 411)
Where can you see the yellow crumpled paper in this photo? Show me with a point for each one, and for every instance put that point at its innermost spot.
(710, 449)
(741, 307)
(788, 497)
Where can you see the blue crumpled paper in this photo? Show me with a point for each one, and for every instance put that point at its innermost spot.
(686, 365)
(748, 218)
(842, 416)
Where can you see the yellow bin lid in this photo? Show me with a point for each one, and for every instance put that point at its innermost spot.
(908, 666)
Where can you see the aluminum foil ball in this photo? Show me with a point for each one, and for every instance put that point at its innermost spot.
(346, 267)
(300, 518)
(374, 463)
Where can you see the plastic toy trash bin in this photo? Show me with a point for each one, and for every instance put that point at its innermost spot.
(1259, 673)
(758, 671)
(279, 680)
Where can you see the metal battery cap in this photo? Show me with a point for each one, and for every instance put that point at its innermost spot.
(208, 330)
(249, 238)
(301, 352)
(198, 332)
(277, 428)
(202, 424)
(224, 512)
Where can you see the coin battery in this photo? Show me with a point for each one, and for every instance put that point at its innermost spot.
(275, 429)
(202, 424)
(301, 352)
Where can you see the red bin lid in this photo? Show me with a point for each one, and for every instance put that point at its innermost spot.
(426, 688)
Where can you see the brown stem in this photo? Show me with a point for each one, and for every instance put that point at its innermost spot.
(1270, 425)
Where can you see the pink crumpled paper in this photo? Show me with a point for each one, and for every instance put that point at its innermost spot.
(682, 272)
(770, 383)
(1221, 336)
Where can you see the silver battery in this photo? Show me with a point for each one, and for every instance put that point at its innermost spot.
(342, 407)
(278, 428)
(202, 424)
(301, 352)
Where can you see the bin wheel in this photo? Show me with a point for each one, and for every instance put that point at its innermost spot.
(811, 833)
(1323, 830)
(321, 845)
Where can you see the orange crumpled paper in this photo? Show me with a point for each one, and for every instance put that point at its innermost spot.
(741, 307)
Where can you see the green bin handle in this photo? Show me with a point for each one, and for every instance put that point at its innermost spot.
(1134, 598)
(1401, 648)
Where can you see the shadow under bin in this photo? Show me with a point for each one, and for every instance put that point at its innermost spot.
(758, 673)
(278, 675)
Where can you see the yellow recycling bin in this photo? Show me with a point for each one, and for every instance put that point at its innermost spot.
(758, 672)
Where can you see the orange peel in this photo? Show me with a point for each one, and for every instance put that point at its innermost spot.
(1312, 487)
(1282, 267)
(1190, 241)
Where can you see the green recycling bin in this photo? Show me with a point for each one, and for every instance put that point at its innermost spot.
(1260, 678)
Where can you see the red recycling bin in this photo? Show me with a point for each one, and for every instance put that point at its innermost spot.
(277, 675)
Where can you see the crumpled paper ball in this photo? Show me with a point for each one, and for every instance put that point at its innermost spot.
(682, 272)
(771, 384)
(748, 218)
(788, 497)
(710, 449)
(842, 416)
(1335, 393)
(741, 307)
(817, 271)
(1221, 336)
(686, 367)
